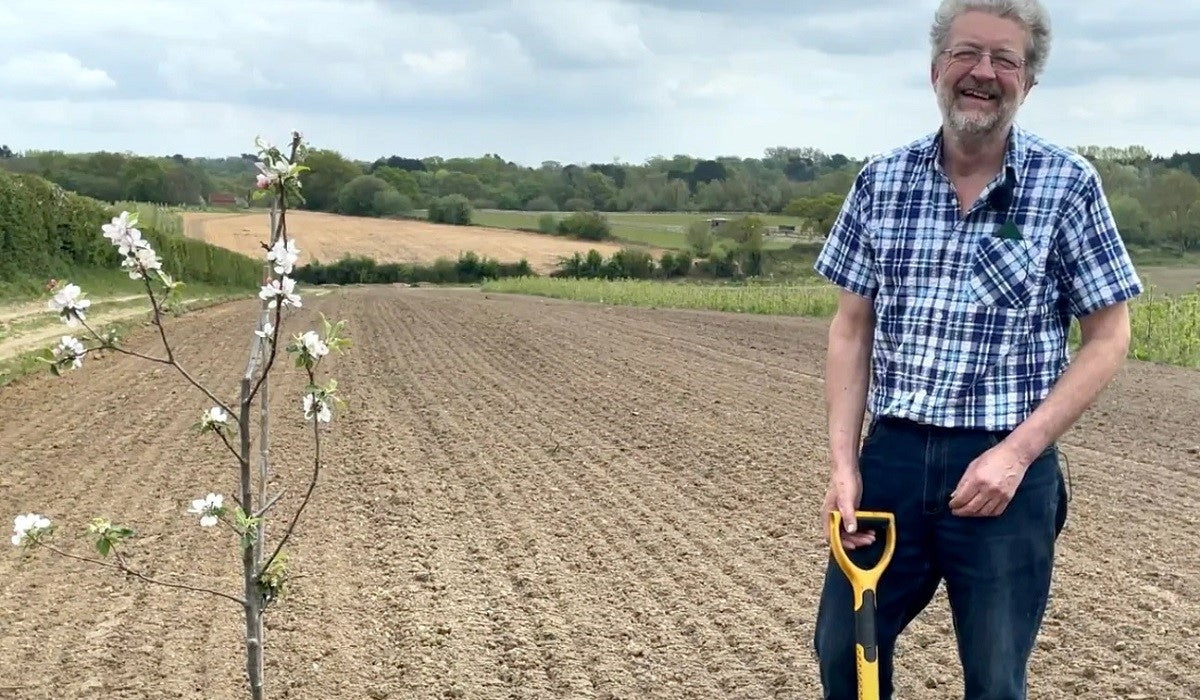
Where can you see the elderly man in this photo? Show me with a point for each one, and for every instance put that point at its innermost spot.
(962, 259)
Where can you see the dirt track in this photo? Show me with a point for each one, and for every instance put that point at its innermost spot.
(541, 499)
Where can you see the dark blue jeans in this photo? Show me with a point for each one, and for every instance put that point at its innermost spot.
(997, 570)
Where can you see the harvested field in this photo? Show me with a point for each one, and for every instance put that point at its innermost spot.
(532, 498)
(328, 237)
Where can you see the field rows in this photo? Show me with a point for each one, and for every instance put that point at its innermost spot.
(538, 498)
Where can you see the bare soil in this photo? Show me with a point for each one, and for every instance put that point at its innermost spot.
(532, 498)
(328, 237)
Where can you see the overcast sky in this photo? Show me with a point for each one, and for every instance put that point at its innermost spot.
(566, 80)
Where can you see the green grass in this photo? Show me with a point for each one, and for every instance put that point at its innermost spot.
(95, 282)
(757, 299)
(1165, 327)
(660, 230)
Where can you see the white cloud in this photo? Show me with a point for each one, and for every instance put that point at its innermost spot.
(562, 80)
(52, 70)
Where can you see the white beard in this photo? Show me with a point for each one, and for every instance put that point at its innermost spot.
(972, 123)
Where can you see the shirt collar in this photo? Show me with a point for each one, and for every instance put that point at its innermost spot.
(1014, 153)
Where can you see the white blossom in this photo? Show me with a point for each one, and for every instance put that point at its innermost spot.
(213, 417)
(314, 345)
(267, 331)
(271, 170)
(323, 413)
(123, 235)
(280, 289)
(208, 508)
(142, 260)
(284, 256)
(25, 525)
(70, 304)
(69, 346)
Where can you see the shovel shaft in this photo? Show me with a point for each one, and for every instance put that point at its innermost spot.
(866, 646)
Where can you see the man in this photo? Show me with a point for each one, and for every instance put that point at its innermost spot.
(962, 259)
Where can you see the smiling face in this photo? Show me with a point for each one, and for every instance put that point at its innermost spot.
(979, 95)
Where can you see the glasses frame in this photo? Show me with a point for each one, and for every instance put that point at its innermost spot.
(972, 55)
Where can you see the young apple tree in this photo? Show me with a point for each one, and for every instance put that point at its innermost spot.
(264, 571)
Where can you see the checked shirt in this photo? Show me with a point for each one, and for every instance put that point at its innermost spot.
(973, 311)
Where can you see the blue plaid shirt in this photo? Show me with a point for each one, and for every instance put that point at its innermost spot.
(973, 311)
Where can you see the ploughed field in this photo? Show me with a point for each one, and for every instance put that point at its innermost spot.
(329, 237)
(531, 498)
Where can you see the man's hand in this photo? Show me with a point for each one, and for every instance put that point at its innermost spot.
(989, 483)
(845, 490)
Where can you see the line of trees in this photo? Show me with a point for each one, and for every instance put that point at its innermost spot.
(1156, 199)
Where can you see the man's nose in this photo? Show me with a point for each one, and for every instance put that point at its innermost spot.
(984, 69)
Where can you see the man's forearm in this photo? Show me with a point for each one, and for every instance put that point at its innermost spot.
(847, 376)
(1093, 367)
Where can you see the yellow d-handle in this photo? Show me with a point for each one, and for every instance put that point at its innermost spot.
(863, 581)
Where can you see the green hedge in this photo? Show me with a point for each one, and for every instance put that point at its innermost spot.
(43, 226)
(468, 269)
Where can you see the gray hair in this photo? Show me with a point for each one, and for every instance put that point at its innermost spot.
(1029, 13)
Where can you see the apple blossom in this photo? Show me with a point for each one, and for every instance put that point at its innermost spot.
(70, 304)
(213, 418)
(142, 260)
(27, 528)
(69, 347)
(276, 290)
(123, 234)
(314, 345)
(284, 256)
(210, 509)
(323, 413)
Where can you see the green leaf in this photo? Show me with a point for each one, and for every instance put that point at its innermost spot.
(103, 546)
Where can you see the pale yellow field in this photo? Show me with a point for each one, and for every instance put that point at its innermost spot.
(328, 237)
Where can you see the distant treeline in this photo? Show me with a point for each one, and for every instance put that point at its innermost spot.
(1156, 199)
(45, 229)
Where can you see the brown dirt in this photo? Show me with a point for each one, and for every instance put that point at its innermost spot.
(328, 237)
(541, 499)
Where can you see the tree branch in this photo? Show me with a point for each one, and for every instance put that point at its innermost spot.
(123, 567)
(312, 484)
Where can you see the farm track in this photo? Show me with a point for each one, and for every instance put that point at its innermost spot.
(543, 499)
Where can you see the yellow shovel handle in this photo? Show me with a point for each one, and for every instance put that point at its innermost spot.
(863, 581)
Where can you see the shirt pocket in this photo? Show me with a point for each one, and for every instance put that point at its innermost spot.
(1001, 273)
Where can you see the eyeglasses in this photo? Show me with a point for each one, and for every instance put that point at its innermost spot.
(1003, 61)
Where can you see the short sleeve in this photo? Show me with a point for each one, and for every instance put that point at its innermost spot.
(1097, 269)
(847, 258)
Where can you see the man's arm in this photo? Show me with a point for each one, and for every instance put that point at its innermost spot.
(1099, 278)
(1105, 344)
(847, 376)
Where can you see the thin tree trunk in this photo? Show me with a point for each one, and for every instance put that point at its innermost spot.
(254, 655)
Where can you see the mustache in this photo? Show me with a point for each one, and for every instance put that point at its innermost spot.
(990, 89)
